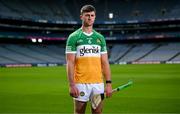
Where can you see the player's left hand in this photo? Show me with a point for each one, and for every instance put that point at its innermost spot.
(108, 90)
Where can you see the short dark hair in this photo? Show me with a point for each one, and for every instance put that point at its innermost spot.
(87, 8)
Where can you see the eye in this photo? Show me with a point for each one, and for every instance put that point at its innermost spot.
(87, 15)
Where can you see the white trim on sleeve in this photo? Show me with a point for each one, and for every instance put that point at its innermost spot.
(71, 52)
(104, 52)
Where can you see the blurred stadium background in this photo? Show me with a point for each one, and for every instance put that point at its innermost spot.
(33, 35)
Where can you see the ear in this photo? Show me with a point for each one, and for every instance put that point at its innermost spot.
(81, 17)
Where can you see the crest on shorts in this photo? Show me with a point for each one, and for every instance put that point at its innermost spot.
(82, 93)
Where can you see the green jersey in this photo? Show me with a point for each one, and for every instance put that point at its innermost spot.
(88, 49)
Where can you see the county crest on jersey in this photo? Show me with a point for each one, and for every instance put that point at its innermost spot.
(88, 49)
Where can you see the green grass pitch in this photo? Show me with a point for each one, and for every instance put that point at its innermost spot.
(156, 89)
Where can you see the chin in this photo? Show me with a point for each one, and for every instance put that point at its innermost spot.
(88, 25)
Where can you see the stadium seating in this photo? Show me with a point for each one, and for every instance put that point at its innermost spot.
(176, 58)
(117, 51)
(14, 53)
(66, 10)
(137, 52)
(145, 52)
(163, 53)
(34, 10)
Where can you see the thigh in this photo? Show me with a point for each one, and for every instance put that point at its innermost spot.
(79, 107)
(98, 89)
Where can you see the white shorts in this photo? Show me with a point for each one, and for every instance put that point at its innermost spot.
(88, 90)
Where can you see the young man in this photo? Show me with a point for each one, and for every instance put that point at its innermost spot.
(87, 63)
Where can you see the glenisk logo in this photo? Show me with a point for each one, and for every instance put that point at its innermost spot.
(92, 50)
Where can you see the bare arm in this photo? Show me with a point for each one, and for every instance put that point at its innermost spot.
(70, 58)
(106, 73)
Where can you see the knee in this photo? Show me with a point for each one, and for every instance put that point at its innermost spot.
(98, 110)
(79, 110)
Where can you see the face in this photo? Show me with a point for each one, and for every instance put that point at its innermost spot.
(88, 18)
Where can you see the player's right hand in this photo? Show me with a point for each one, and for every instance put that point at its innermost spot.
(74, 92)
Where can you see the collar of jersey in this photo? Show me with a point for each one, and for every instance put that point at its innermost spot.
(88, 34)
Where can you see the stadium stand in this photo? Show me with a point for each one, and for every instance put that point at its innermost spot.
(66, 10)
(128, 33)
(124, 10)
(14, 53)
(164, 53)
(35, 10)
(175, 58)
(136, 52)
(117, 51)
(145, 52)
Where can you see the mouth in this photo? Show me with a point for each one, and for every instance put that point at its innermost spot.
(90, 21)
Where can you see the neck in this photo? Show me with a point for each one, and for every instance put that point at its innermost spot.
(87, 29)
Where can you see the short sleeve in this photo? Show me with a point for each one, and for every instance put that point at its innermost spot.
(103, 45)
(71, 44)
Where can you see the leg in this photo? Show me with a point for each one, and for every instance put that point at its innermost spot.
(98, 89)
(79, 107)
(98, 110)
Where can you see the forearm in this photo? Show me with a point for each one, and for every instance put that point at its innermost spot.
(107, 76)
(106, 71)
(70, 73)
(106, 68)
(70, 58)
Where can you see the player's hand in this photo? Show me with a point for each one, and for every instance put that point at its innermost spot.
(108, 90)
(74, 92)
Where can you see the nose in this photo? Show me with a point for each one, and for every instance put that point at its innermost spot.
(91, 16)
